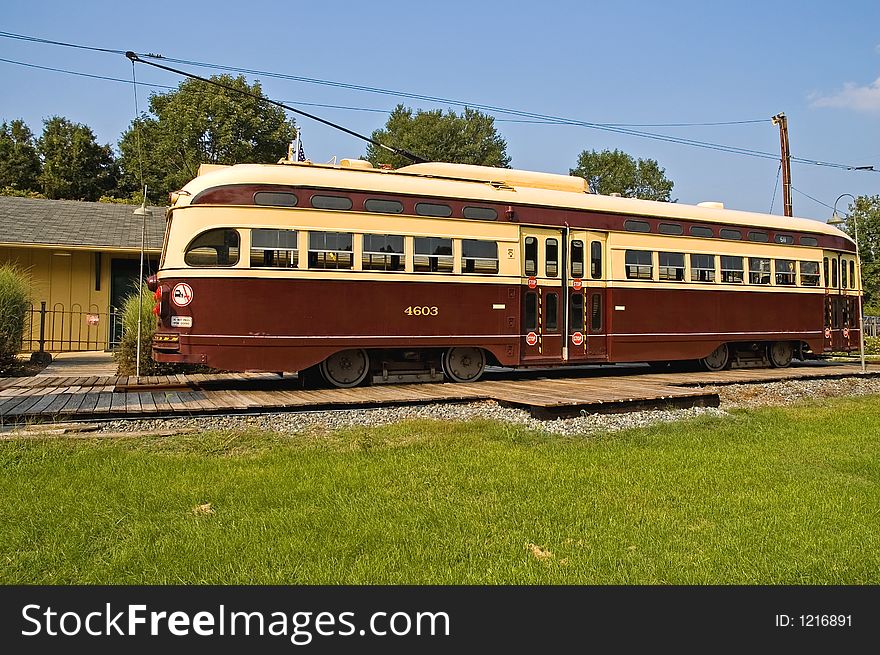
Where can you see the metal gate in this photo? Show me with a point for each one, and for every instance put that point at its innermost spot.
(60, 329)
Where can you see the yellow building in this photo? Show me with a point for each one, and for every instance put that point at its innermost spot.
(83, 259)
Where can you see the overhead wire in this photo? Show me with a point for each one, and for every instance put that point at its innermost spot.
(619, 128)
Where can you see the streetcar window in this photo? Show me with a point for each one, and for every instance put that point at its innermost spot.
(761, 237)
(700, 231)
(551, 308)
(671, 228)
(382, 206)
(810, 274)
(639, 264)
(596, 313)
(825, 267)
(852, 274)
(275, 199)
(809, 241)
(531, 256)
(834, 273)
(671, 266)
(330, 250)
(479, 256)
(551, 261)
(433, 209)
(703, 268)
(576, 311)
(636, 226)
(531, 311)
(784, 238)
(759, 270)
(785, 272)
(843, 280)
(331, 202)
(577, 258)
(480, 213)
(383, 252)
(731, 269)
(596, 260)
(218, 247)
(727, 233)
(274, 249)
(433, 255)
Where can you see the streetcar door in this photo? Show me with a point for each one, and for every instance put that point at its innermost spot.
(837, 319)
(592, 345)
(543, 306)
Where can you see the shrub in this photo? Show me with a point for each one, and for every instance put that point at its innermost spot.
(126, 354)
(872, 345)
(14, 296)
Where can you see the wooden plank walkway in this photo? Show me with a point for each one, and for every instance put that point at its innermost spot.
(545, 393)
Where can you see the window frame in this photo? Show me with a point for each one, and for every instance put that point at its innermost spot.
(465, 259)
(636, 270)
(663, 271)
(192, 246)
(367, 262)
(434, 259)
(316, 255)
(725, 277)
(695, 269)
(760, 274)
(293, 253)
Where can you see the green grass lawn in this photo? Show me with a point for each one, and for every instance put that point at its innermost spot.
(773, 496)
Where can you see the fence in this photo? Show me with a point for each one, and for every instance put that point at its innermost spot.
(69, 330)
(872, 326)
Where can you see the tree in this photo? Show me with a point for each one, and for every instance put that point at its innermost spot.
(200, 123)
(470, 138)
(617, 172)
(865, 213)
(19, 161)
(75, 166)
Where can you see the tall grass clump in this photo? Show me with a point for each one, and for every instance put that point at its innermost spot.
(14, 296)
(126, 354)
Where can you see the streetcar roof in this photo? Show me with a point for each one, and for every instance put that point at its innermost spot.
(481, 183)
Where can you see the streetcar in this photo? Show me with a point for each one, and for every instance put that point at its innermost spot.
(435, 271)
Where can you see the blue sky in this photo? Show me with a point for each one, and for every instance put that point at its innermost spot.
(625, 62)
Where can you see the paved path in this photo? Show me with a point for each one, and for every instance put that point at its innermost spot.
(95, 363)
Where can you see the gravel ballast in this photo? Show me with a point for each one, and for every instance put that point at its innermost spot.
(732, 397)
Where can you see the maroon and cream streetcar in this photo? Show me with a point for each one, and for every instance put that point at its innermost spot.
(432, 269)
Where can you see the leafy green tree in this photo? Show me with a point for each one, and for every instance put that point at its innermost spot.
(865, 213)
(614, 171)
(200, 123)
(75, 166)
(470, 138)
(19, 161)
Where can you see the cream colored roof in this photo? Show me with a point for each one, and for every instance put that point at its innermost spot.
(454, 181)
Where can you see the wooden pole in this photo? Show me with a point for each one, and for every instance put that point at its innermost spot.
(782, 122)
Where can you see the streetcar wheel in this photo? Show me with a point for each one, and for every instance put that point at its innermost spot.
(464, 364)
(347, 368)
(780, 354)
(718, 359)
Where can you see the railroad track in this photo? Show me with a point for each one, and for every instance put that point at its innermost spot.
(545, 393)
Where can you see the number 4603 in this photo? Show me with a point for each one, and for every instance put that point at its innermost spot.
(421, 311)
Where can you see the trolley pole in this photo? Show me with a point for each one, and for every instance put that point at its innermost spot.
(782, 122)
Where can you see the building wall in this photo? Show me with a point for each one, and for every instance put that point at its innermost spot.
(66, 280)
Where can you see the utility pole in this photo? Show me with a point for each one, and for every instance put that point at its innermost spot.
(782, 122)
